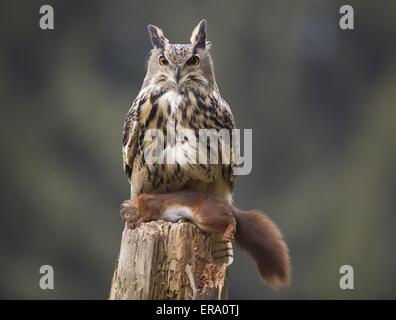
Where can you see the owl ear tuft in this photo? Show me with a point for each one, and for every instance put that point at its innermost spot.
(198, 36)
(157, 37)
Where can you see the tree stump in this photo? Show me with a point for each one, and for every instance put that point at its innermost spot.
(163, 260)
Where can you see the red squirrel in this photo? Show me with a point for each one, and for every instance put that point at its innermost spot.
(253, 231)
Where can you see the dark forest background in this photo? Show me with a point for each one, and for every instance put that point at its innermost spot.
(321, 103)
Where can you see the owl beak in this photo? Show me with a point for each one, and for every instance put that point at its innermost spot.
(177, 74)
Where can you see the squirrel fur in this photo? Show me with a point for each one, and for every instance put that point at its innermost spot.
(253, 231)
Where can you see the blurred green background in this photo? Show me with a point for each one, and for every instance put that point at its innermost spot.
(321, 103)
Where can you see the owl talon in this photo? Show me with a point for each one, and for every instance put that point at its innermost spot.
(131, 225)
(129, 214)
(222, 251)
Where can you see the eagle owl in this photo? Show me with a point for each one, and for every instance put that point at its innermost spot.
(179, 91)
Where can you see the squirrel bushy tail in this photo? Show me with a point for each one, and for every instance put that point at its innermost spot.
(261, 238)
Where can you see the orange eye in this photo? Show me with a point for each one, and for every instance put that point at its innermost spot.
(163, 61)
(193, 61)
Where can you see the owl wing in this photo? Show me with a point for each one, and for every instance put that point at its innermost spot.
(219, 117)
(131, 133)
(225, 120)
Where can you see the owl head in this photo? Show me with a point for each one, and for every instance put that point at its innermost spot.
(180, 65)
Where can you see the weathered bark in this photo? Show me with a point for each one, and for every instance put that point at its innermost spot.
(163, 260)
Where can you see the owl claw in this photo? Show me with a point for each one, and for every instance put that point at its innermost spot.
(222, 251)
(129, 214)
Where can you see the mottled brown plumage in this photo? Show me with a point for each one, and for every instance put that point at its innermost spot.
(179, 91)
